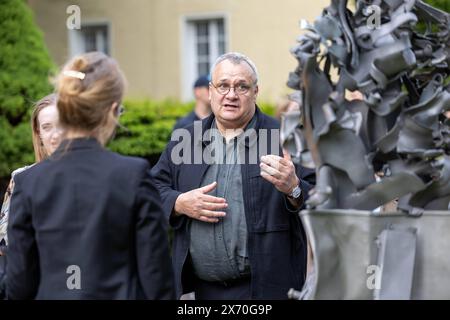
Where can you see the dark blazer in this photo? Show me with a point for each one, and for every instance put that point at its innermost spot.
(91, 209)
(276, 239)
(186, 120)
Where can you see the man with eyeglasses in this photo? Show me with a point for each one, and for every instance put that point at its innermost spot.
(237, 234)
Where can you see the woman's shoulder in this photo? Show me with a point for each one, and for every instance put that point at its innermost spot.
(129, 161)
(20, 170)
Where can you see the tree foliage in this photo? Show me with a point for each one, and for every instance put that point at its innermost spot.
(25, 66)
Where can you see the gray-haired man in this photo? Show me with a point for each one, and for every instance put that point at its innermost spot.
(237, 234)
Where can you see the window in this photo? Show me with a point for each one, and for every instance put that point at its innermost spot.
(202, 47)
(210, 43)
(91, 37)
(204, 41)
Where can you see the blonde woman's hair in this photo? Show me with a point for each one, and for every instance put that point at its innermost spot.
(39, 150)
(87, 87)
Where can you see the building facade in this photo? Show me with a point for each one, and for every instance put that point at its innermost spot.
(163, 45)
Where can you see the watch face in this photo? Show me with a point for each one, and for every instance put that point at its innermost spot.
(296, 192)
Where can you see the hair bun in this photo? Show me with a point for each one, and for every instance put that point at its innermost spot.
(79, 64)
(69, 85)
(88, 86)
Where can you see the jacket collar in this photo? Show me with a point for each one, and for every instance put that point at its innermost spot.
(77, 144)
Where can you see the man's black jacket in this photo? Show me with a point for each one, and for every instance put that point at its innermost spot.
(276, 239)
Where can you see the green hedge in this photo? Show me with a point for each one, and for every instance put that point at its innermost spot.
(148, 125)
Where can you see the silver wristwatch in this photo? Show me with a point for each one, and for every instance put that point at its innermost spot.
(296, 193)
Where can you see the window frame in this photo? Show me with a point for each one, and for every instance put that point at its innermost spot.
(76, 37)
(188, 49)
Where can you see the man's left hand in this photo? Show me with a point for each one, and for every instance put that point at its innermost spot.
(280, 172)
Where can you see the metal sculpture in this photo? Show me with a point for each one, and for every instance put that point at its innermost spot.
(391, 145)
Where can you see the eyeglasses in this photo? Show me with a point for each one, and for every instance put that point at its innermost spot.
(120, 110)
(224, 88)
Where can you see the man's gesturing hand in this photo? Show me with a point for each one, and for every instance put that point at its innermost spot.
(280, 172)
(197, 204)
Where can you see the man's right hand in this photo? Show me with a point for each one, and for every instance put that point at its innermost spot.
(197, 204)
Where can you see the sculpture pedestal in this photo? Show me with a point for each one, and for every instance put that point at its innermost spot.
(349, 246)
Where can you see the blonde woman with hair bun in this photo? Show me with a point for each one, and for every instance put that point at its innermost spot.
(87, 223)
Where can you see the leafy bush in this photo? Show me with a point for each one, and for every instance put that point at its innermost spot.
(147, 126)
(267, 108)
(25, 66)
